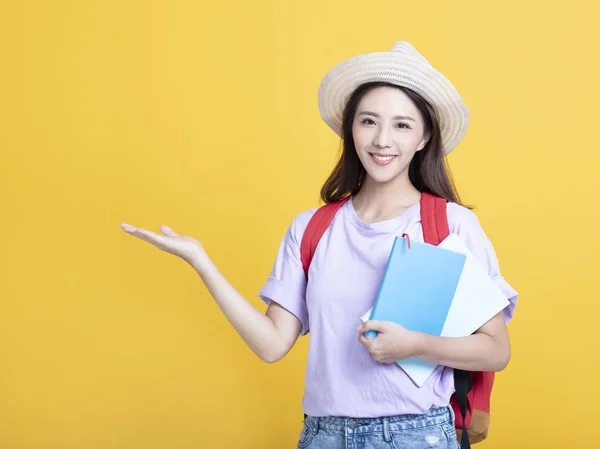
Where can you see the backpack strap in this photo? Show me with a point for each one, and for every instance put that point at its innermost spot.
(317, 226)
(462, 385)
(434, 219)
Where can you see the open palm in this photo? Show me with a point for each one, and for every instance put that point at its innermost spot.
(179, 245)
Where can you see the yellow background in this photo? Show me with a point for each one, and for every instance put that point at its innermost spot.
(203, 116)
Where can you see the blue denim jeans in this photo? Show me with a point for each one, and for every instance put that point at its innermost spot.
(432, 430)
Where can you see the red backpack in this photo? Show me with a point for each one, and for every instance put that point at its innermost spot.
(471, 401)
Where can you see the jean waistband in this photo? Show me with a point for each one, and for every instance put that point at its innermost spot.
(435, 417)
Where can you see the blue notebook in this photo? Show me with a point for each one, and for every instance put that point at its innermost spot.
(418, 286)
(440, 290)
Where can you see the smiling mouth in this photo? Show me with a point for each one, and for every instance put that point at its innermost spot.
(381, 159)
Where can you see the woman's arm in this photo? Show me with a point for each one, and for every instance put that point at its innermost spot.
(270, 336)
(488, 349)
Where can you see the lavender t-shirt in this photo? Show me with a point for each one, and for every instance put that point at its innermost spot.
(341, 377)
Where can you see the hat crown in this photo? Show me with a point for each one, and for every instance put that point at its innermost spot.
(408, 50)
(404, 47)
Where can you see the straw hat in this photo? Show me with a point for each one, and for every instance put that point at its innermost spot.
(403, 66)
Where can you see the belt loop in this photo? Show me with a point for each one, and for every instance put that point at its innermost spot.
(315, 427)
(386, 433)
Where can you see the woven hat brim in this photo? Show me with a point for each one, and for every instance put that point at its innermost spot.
(416, 74)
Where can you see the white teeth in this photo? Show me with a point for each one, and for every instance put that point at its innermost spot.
(383, 158)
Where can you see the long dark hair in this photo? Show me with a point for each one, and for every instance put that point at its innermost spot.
(428, 170)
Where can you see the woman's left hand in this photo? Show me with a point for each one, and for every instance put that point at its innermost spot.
(392, 343)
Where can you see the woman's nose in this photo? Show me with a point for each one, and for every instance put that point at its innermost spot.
(383, 138)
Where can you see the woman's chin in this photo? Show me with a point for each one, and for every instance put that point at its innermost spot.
(381, 178)
(384, 174)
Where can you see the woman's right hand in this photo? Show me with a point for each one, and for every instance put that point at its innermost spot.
(179, 245)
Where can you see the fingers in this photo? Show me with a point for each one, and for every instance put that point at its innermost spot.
(365, 341)
(147, 236)
(168, 231)
(143, 234)
(375, 349)
(373, 325)
(127, 227)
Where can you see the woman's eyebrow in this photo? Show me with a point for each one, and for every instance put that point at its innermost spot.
(396, 117)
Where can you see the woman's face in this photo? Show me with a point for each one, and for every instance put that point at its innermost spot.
(388, 131)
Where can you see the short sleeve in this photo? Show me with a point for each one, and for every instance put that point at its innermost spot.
(466, 225)
(286, 285)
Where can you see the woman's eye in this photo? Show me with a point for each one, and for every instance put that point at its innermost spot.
(403, 125)
(368, 121)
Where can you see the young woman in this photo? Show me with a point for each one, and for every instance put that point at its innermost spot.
(398, 117)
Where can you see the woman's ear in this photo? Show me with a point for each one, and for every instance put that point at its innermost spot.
(424, 141)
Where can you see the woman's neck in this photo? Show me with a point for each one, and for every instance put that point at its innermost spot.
(384, 201)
